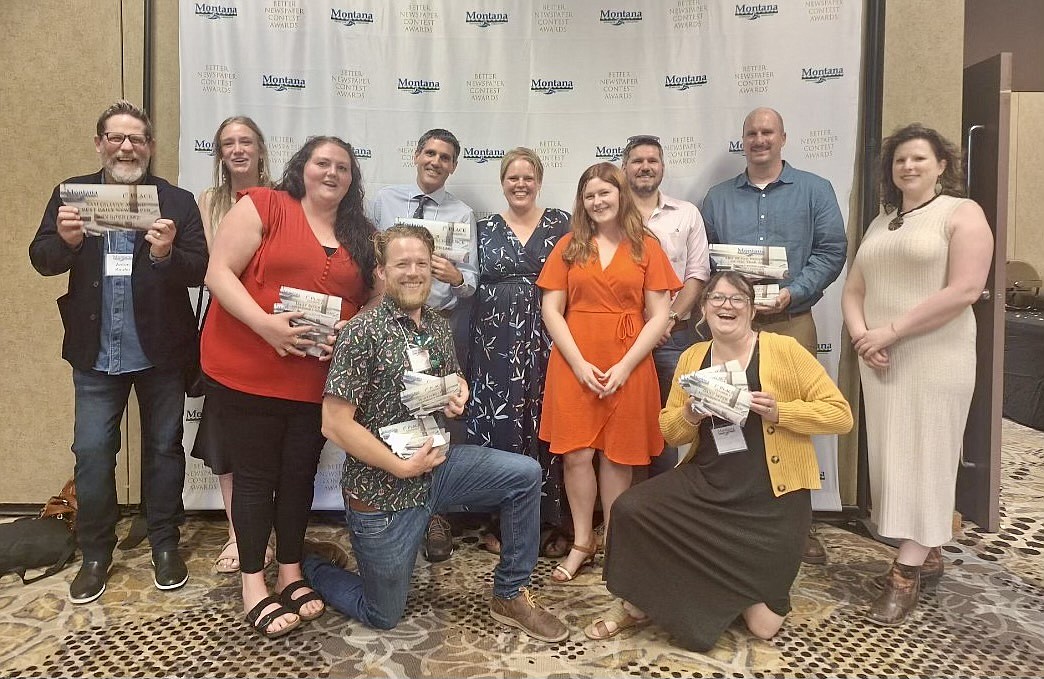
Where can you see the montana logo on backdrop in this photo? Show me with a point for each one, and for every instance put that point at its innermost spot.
(284, 15)
(552, 17)
(485, 19)
(609, 154)
(821, 74)
(350, 83)
(481, 155)
(346, 17)
(362, 152)
(552, 152)
(619, 17)
(206, 10)
(282, 83)
(417, 85)
(546, 86)
(736, 147)
(753, 12)
(485, 87)
(203, 147)
(619, 85)
(216, 79)
(680, 83)
(419, 17)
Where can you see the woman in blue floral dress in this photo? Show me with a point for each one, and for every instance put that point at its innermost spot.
(509, 345)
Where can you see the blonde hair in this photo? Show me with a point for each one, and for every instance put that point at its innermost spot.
(221, 198)
(522, 153)
(581, 248)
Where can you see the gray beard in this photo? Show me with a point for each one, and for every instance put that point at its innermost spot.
(122, 176)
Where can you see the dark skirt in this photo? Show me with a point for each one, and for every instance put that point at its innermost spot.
(696, 546)
(207, 446)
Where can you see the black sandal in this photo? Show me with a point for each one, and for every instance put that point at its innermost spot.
(259, 623)
(294, 605)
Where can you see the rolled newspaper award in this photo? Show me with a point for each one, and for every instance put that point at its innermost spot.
(109, 207)
(452, 239)
(424, 394)
(719, 391)
(406, 438)
(754, 261)
(321, 314)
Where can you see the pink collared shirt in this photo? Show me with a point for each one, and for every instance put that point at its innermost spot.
(679, 226)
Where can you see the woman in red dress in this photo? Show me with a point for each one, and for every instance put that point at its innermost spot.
(607, 288)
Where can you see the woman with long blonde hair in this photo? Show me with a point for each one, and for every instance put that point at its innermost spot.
(240, 162)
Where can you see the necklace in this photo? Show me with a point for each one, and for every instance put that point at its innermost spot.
(897, 221)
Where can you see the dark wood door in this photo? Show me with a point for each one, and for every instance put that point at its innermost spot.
(986, 122)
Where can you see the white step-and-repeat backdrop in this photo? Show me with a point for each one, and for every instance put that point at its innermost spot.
(570, 78)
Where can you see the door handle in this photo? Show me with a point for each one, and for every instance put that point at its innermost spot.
(985, 296)
(965, 463)
(972, 129)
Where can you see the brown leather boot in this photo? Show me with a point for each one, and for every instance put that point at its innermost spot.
(814, 552)
(899, 598)
(931, 570)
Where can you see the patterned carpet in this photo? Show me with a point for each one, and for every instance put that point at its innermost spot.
(985, 618)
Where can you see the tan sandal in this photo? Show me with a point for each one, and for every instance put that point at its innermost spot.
(225, 561)
(620, 619)
(588, 561)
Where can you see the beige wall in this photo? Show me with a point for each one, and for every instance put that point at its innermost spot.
(1025, 225)
(51, 45)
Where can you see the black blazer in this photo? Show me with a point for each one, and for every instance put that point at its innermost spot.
(162, 309)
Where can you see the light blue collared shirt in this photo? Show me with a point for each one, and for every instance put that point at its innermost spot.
(393, 202)
(798, 211)
(120, 350)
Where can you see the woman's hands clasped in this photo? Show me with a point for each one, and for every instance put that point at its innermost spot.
(872, 346)
(604, 384)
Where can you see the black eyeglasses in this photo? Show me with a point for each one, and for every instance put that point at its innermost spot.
(717, 299)
(117, 138)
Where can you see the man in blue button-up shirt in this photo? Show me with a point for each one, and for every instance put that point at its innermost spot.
(128, 323)
(772, 203)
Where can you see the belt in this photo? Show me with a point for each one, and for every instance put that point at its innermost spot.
(360, 506)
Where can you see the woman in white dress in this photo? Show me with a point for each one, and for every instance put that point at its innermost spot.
(907, 305)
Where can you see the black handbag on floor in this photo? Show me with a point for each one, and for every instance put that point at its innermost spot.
(46, 541)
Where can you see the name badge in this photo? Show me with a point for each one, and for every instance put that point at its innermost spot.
(118, 264)
(418, 358)
(729, 439)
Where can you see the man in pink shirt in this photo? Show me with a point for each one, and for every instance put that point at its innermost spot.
(679, 226)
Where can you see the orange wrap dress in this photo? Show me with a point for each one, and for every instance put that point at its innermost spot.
(604, 312)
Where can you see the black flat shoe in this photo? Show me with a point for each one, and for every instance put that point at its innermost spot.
(170, 570)
(89, 583)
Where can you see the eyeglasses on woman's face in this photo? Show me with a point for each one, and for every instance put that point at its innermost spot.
(717, 299)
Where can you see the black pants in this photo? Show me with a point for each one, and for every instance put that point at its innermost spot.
(275, 446)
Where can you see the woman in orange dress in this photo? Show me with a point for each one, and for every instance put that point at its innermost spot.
(607, 288)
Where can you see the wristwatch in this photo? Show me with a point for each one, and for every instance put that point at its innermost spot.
(673, 316)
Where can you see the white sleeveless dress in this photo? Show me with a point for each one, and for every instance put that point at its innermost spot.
(916, 410)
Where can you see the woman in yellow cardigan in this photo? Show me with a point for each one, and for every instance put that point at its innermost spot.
(720, 535)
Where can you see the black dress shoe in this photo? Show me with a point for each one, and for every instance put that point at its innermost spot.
(89, 582)
(171, 571)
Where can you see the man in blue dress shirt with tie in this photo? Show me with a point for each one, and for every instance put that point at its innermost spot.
(454, 284)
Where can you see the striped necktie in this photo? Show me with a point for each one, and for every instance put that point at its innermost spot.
(422, 200)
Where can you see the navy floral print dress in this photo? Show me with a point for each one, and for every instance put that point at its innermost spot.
(510, 348)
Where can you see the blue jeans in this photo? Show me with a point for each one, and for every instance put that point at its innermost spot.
(386, 543)
(666, 359)
(100, 402)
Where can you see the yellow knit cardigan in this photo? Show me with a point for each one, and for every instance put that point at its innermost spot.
(808, 401)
